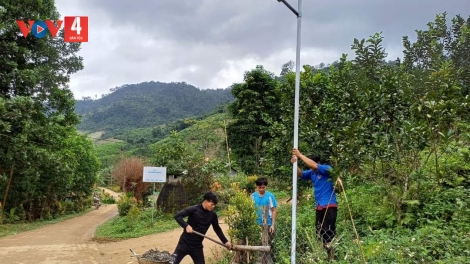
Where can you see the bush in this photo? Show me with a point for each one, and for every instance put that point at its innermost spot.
(250, 185)
(224, 197)
(69, 206)
(279, 184)
(437, 241)
(227, 181)
(133, 216)
(125, 204)
(128, 174)
(107, 198)
(430, 244)
(241, 218)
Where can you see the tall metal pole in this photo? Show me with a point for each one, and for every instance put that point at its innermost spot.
(296, 132)
(298, 13)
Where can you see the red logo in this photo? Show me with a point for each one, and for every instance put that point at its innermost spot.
(76, 29)
(39, 27)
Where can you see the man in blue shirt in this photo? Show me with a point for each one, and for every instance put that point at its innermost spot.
(325, 197)
(263, 198)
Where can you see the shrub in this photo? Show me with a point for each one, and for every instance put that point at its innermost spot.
(69, 207)
(106, 198)
(250, 185)
(241, 218)
(226, 180)
(224, 197)
(216, 186)
(128, 174)
(133, 216)
(125, 204)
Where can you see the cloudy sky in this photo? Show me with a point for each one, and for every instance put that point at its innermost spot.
(211, 43)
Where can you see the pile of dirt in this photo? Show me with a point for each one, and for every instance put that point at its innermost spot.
(157, 255)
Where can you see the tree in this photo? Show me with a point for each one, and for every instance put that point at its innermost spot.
(255, 110)
(128, 175)
(40, 150)
(287, 67)
(442, 43)
(196, 172)
(391, 122)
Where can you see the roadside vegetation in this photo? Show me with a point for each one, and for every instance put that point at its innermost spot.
(136, 223)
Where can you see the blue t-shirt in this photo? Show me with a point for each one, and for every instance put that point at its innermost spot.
(267, 199)
(322, 185)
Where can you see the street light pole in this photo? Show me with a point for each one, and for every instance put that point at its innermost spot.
(298, 13)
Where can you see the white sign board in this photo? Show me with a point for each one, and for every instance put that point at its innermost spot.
(154, 174)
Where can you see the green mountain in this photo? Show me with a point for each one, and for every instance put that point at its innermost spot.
(147, 104)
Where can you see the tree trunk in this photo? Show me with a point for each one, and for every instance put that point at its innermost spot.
(8, 187)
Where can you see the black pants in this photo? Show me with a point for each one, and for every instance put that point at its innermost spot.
(327, 216)
(183, 249)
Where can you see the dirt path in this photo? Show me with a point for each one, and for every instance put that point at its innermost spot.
(69, 242)
(65, 242)
(112, 193)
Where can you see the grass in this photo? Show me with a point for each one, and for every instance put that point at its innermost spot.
(16, 228)
(123, 227)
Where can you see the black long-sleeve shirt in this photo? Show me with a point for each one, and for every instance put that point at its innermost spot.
(200, 220)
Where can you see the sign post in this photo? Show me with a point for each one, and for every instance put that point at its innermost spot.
(154, 174)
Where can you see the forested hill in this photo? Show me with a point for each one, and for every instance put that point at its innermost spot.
(147, 104)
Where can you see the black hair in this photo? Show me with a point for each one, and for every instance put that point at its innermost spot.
(210, 197)
(316, 158)
(262, 181)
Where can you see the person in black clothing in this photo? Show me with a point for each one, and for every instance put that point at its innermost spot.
(200, 217)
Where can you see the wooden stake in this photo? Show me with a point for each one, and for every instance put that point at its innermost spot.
(247, 253)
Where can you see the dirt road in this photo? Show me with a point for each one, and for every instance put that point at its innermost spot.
(69, 242)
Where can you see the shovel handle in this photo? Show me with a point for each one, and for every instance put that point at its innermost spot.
(238, 247)
(210, 238)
